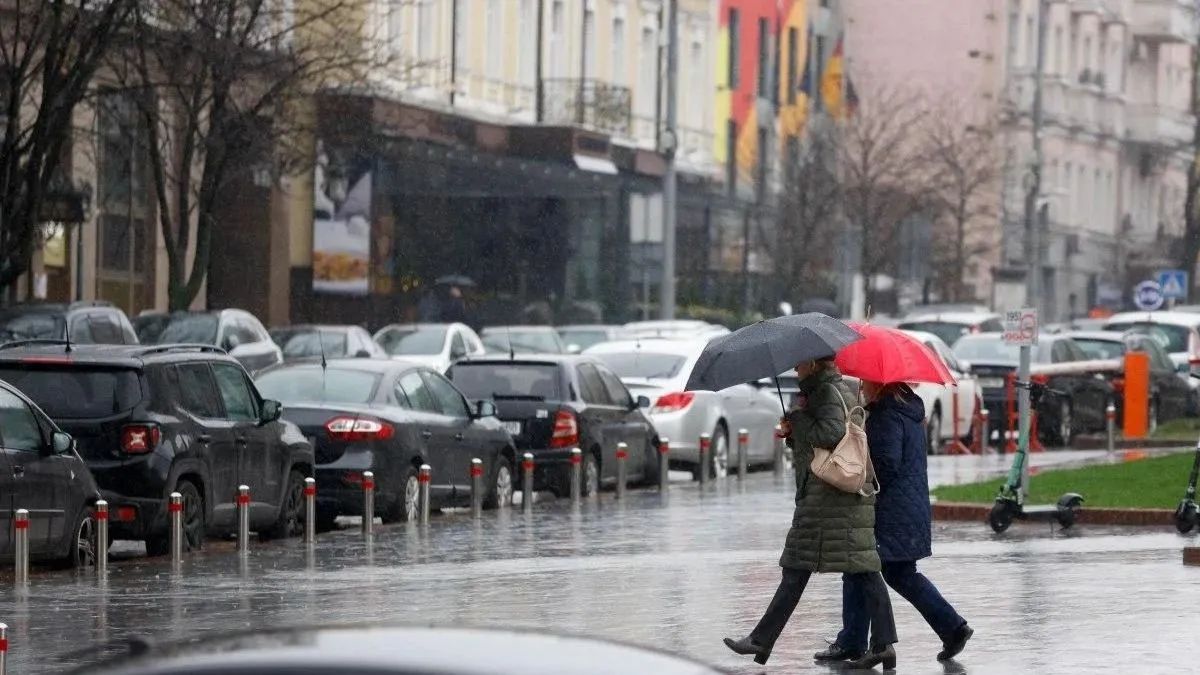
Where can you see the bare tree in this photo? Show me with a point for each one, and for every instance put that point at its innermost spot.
(886, 180)
(224, 88)
(49, 52)
(809, 208)
(965, 175)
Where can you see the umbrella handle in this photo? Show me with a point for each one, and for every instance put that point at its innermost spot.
(780, 392)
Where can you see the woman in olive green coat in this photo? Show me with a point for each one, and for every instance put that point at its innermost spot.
(832, 531)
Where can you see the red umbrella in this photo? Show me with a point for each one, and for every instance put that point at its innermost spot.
(889, 355)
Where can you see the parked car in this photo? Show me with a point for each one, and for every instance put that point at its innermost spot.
(149, 324)
(1072, 403)
(390, 417)
(237, 332)
(1177, 332)
(436, 345)
(659, 369)
(41, 472)
(310, 340)
(685, 329)
(946, 307)
(950, 326)
(553, 403)
(89, 322)
(522, 340)
(579, 338)
(939, 400)
(151, 420)
(1170, 395)
(387, 650)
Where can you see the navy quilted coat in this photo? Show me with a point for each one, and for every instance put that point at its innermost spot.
(897, 441)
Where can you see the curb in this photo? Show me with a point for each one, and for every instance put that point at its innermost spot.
(1101, 443)
(1191, 555)
(950, 511)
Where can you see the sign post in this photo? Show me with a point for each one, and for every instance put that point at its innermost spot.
(1021, 329)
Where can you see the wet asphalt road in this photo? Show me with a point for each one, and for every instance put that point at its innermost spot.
(678, 574)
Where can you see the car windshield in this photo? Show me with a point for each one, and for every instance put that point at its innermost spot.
(190, 328)
(948, 332)
(300, 343)
(992, 349)
(1101, 349)
(149, 327)
(30, 326)
(309, 383)
(72, 392)
(583, 337)
(504, 380)
(648, 365)
(537, 342)
(1174, 339)
(417, 341)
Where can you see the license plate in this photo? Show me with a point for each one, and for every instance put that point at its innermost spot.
(513, 428)
(991, 382)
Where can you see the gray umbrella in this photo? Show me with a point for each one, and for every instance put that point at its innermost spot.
(768, 348)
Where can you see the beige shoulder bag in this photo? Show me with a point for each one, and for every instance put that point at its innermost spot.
(847, 467)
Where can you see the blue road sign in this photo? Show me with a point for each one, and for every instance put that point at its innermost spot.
(1148, 296)
(1174, 284)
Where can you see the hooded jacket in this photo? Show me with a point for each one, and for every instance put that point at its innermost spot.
(896, 438)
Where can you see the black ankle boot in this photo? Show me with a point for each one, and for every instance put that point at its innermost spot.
(747, 646)
(886, 656)
(953, 646)
(836, 652)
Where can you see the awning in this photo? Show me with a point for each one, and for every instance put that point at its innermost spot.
(596, 164)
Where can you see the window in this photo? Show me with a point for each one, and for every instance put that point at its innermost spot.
(593, 391)
(698, 71)
(1059, 63)
(462, 34)
(617, 393)
(419, 397)
(1060, 353)
(197, 391)
(733, 77)
(450, 402)
(818, 56)
(558, 56)
(426, 32)
(647, 84)
(1014, 35)
(793, 66)
(619, 75)
(764, 56)
(495, 39)
(458, 346)
(395, 23)
(527, 49)
(731, 156)
(313, 383)
(81, 331)
(1088, 66)
(105, 330)
(238, 329)
(235, 394)
(589, 42)
(18, 425)
(1030, 55)
(1073, 54)
(517, 381)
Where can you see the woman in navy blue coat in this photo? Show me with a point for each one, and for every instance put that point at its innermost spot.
(903, 524)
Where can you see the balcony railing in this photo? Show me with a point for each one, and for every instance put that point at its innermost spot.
(1158, 125)
(593, 104)
(1164, 20)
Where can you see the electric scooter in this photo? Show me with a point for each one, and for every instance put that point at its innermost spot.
(1188, 514)
(1010, 503)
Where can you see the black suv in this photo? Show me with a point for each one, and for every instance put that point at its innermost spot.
(94, 322)
(150, 420)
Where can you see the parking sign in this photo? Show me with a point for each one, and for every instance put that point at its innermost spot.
(1021, 327)
(1174, 284)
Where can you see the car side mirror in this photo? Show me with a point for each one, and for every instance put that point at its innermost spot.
(485, 409)
(271, 411)
(643, 402)
(61, 443)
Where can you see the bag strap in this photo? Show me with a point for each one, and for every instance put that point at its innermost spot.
(845, 410)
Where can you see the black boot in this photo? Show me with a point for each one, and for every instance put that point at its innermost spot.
(953, 646)
(747, 646)
(885, 655)
(836, 652)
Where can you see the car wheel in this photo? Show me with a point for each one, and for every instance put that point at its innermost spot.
(410, 500)
(290, 522)
(591, 475)
(195, 527)
(501, 494)
(650, 472)
(1065, 422)
(933, 431)
(1152, 417)
(719, 466)
(81, 550)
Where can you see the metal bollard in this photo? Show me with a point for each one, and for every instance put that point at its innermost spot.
(175, 526)
(743, 450)
(310, 510)
(476, 487)
(664, 464)
(702, 457)
(576, 475)
(368, 517)
(779, 445)
(101, 537)
(424, 475)
(21, 525)
(3, 648)
(1110, 419)
(622, 461)
(527, 482)
(243, 519)
(985, 434)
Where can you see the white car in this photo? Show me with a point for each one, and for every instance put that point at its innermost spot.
(1178, 333)
(950, 326)
(658, 368)
(437, 345)
(939, 400)
(684, 329)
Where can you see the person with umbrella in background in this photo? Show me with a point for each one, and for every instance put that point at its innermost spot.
(832, 530)
(885, 360)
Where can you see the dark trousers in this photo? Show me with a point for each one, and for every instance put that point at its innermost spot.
(874, 597)
(913, 586)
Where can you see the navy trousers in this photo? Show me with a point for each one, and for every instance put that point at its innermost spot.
(913, 586)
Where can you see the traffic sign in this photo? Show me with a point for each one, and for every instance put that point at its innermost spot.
(1021, 327)
(1148, 295)
(1174, 284)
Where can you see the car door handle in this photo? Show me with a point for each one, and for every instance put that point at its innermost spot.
(203, 438)
(426, 434)
(241, 440)
(18, 470)
(458, 436)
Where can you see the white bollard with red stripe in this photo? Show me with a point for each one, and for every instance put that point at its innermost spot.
(368, 516)
(310, 510)
(476, 487)
(21, 547)
(622, 457)
(1110, 421)
(243, 519)
(3, 648)
(101, 536)
(175, 527)
(527, 483)
(743, 451)
(424, 475)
